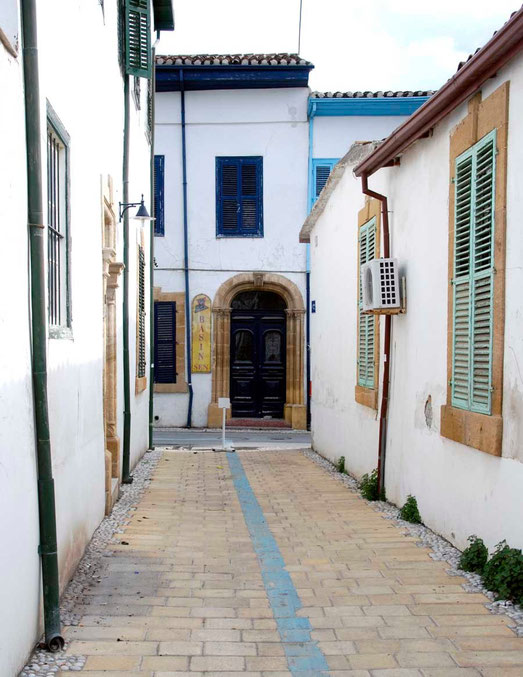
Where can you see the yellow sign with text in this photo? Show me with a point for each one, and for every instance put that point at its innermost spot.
(201, 334)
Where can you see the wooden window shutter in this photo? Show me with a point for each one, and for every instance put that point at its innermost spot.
(366, 323)
(239, 196)
(159, 183)
(138, 56)
(473, 277)
(321, 175)
(165, 342)
(141, 313)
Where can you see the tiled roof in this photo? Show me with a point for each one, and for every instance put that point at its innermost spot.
(370, 95)
(462, 63)
(231, 60)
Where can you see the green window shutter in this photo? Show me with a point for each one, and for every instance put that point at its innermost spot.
(138, 55)
(366, 334)
(473, 277)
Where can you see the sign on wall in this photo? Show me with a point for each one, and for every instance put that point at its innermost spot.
(201, 334)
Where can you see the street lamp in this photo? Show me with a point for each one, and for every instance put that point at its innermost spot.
(141, 215)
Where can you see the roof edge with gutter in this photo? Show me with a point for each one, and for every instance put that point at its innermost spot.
(502, 47)
(230, 77)
(163, 15)
(338, 106)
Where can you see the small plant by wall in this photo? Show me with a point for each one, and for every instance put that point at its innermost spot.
(503, 573)
(475, 556)
(369, 487)
(410, 512)
(340, 465)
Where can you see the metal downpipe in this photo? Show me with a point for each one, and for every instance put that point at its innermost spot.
(151, 263)
(382, 440)
(186, 256)
(126, 455)
(46, 496)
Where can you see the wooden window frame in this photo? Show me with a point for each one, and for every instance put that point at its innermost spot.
(481, 431)
(181, 383)
(55, 128)
(159, 195)
(368, 397)
(319, 162)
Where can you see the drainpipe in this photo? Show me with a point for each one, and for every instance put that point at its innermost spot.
(186, 257)
(382, 441)
(126, 476)
(151, 258)
(46, 497)
(312, 111)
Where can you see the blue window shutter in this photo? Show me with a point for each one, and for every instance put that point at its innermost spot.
(473, 281)
(366, 323)
(159, 183)
(239, 196)
(321, 170)
(164, 342)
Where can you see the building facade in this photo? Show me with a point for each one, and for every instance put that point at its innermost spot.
(78, 111)
(451, 436)
(241, 150)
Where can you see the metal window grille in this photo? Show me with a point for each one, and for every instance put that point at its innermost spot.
(141, 313)
(137, 92)
(56, 229)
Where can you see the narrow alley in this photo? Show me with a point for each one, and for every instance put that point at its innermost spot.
(261, 563)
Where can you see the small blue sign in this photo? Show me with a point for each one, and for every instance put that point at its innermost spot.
(313, 308)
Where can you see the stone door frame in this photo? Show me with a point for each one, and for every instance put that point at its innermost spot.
(295, 411)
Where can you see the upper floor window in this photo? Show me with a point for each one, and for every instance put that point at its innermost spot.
(57, 225)
(159, 182)
(473, 276)
(239, 196)
(137, 24)
(321, 169)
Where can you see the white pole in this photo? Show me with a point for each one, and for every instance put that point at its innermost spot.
(224, 410)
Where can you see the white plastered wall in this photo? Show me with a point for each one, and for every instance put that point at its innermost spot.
(460, 490)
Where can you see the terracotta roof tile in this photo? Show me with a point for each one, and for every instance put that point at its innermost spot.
(370, 95)
(231, 60)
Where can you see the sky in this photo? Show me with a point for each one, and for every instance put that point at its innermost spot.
(353, 44)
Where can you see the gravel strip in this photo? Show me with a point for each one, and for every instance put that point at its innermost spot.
(42, 663)
(442, 550)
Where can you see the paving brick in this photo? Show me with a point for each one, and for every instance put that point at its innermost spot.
(180, 648)
(165, 663)
(112, 662)
(219, 663)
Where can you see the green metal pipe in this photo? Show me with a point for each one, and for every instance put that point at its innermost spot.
(151, 266)
(46, 499)
(126, 455)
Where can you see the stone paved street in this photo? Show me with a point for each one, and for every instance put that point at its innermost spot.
(223, 550)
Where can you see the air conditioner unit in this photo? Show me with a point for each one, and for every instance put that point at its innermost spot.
(380, 287)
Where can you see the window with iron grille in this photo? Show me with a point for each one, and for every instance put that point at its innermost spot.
(473, 276)
(239, 196)
(137, 93)
(57, 227)
(140, 372)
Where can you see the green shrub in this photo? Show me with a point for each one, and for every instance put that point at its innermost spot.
(410, 512)
(503, 574)
(340, 465)
(475, 556)
(369, 487)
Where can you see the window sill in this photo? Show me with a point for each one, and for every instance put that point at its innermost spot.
(61, 333)
(221, 236)
(170, 387)
(479, 431)
(140, 385)
(368, 397)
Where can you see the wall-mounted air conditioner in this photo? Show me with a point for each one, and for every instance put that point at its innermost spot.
(380, 287)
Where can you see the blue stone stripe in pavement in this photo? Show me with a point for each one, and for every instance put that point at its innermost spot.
(304, 657)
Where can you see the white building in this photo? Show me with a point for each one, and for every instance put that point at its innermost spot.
(451, 173)
(76, 130)
(252, 148)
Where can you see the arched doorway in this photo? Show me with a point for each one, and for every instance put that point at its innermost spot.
(258, 357)
(294, 409)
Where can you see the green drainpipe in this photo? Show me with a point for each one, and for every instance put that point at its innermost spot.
(151, 266)
(46, 500)
(126, 456)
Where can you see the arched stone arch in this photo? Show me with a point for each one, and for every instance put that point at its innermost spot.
(295, 410)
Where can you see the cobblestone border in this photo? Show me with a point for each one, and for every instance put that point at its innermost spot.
(45, 664)
(442, 550)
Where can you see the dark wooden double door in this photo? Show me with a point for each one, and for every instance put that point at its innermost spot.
(258, 347)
